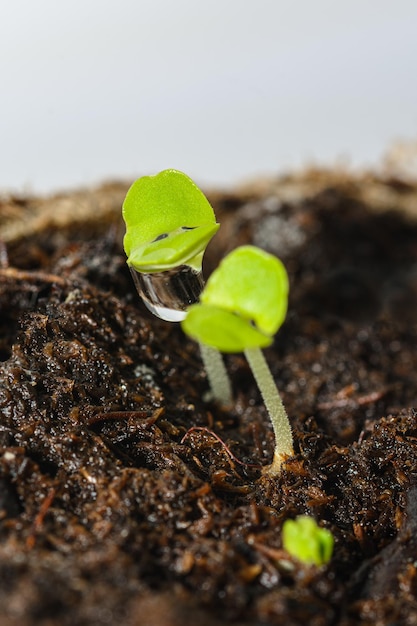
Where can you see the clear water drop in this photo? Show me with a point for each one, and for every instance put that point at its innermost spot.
(168, 294)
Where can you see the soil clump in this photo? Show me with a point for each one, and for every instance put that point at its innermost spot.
(126, 498)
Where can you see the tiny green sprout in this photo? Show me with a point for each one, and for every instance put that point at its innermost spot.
(169, 223)
(241, 308)
(303, 539)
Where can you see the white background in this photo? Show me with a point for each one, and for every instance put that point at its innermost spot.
(222, 89)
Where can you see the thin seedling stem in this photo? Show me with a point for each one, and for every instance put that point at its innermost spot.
(217, 375)
(274, 406)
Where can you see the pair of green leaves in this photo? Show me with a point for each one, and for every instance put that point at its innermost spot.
(243, 304)
(169, 222)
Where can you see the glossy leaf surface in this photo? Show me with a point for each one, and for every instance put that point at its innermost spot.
(169, 222)
(243, 304)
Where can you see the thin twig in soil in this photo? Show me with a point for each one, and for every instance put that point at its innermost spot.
(38, 521)
(340, 403)
(126, 415)
(223, 444)
(12, 273)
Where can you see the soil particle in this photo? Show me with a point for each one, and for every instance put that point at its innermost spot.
(125, 498)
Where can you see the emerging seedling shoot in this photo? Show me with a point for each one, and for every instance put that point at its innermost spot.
(303, 539)
(241, 308)
(169, 223)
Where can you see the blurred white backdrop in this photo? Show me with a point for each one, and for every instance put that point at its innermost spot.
(224, 90)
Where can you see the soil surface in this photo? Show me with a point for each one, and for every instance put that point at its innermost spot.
(125, 498)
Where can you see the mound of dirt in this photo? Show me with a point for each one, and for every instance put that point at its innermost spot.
(126, 498)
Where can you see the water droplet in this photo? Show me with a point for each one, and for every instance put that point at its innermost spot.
(169, 294)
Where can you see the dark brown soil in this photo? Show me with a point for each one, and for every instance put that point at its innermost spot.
(109, 516)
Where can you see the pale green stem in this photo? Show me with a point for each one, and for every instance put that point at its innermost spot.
(274, 406)
(217, 375)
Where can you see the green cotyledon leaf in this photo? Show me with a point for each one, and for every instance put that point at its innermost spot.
(243, 304)
(306, 541)
(222, 329)
(252, 283)
(169, 222)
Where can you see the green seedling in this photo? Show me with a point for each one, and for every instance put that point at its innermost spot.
(303, 539)
(169, 223)
(241, 308)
